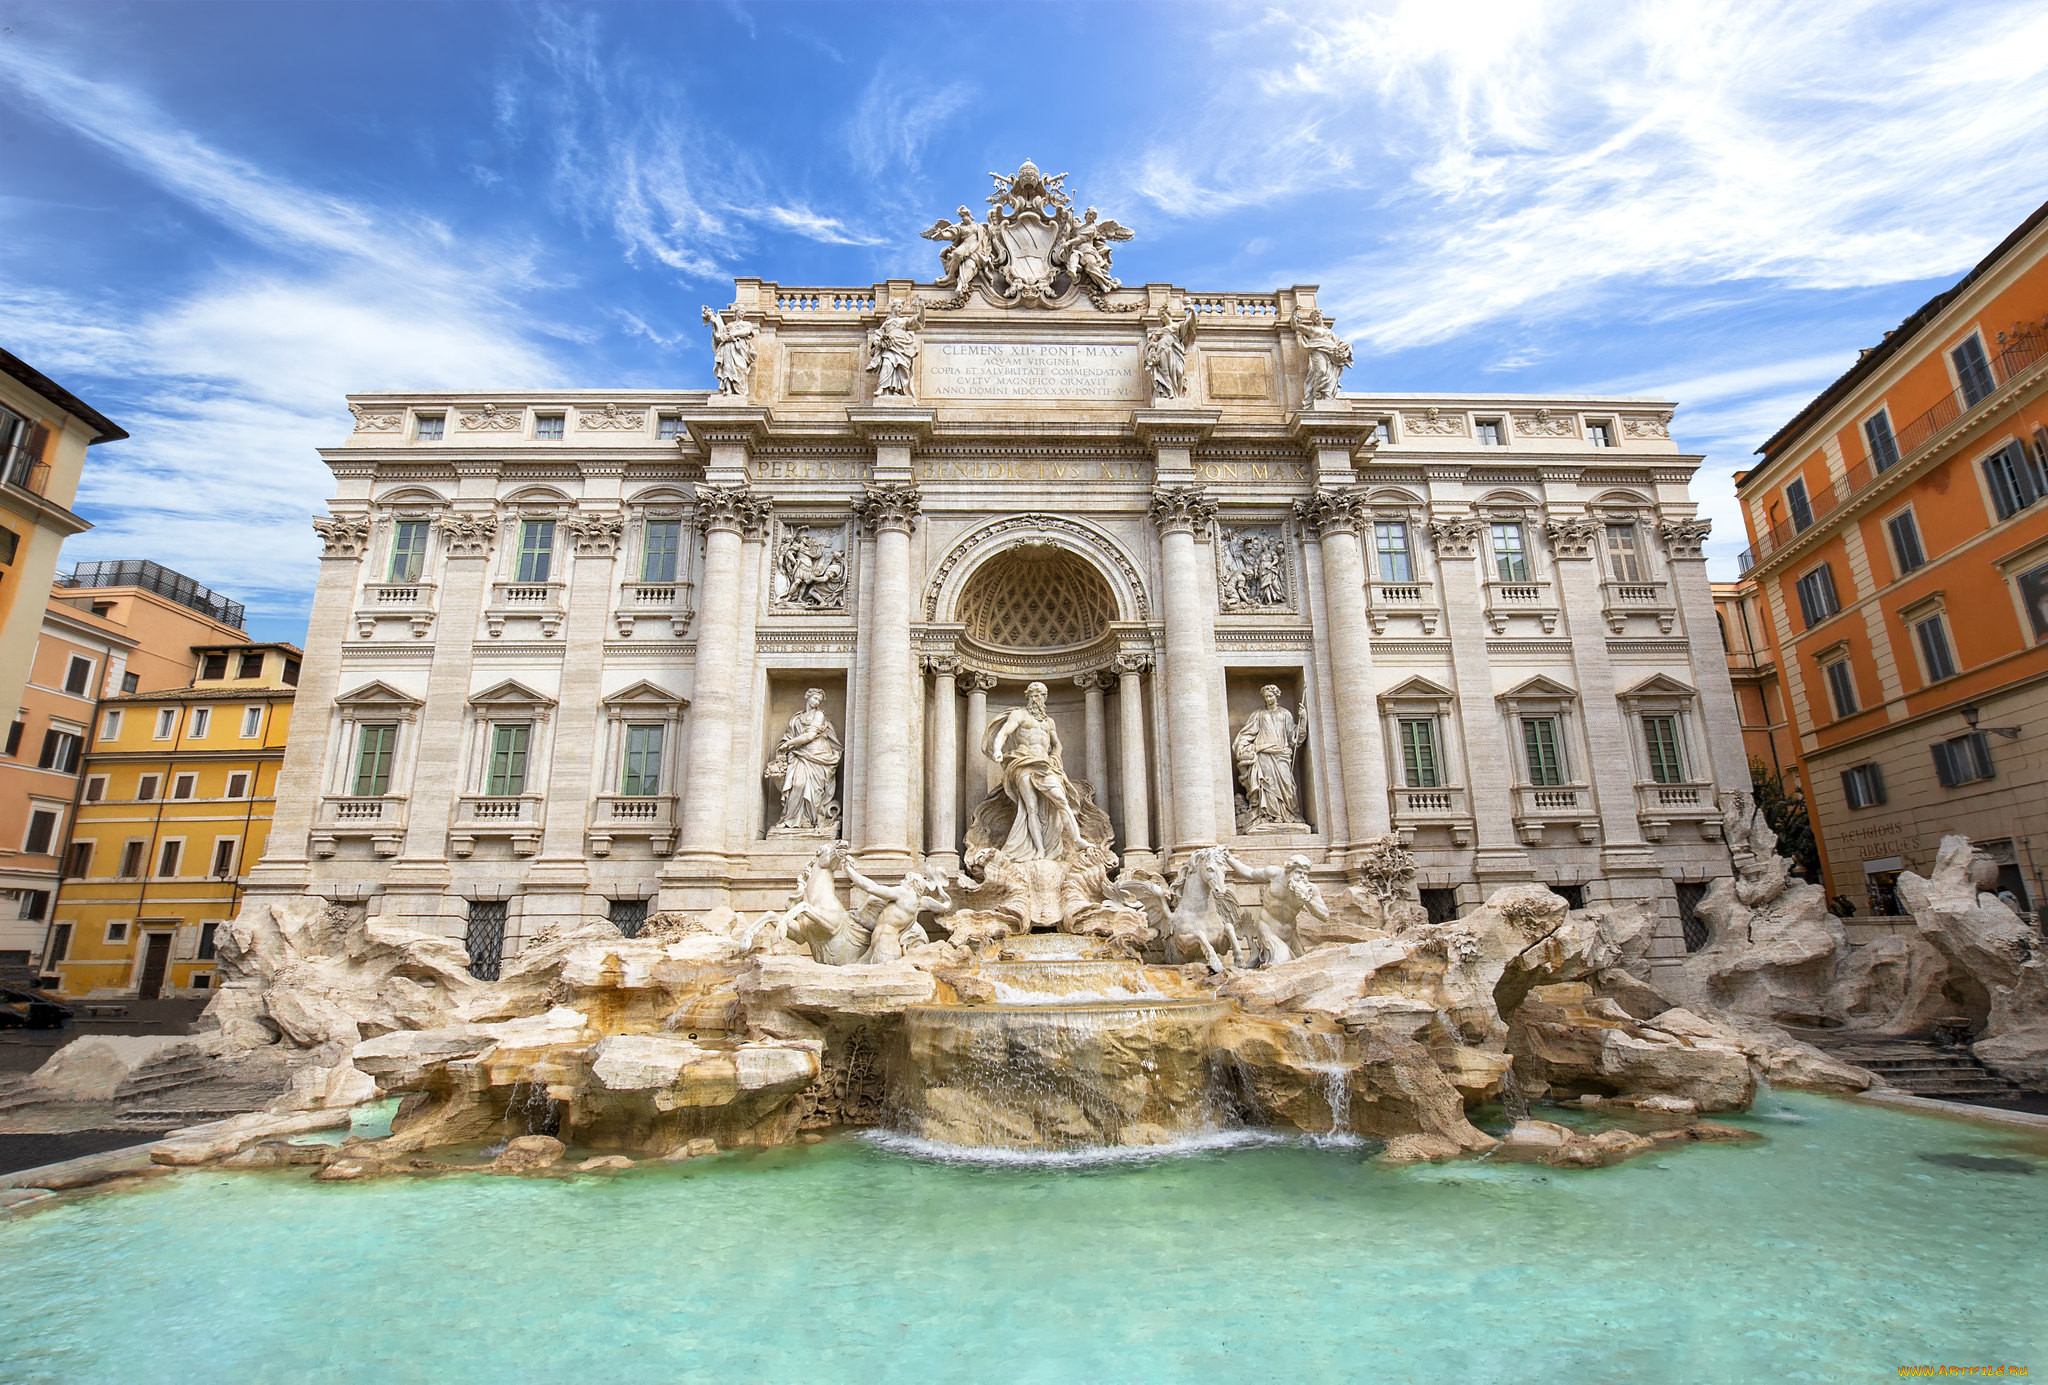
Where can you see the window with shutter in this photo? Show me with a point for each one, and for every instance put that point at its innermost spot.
(1884, 448)
(1932, 634)
(1962, 760)
(1842, 687)
(536, 549)
(1817, 600)
(1660, 737)
(1863, 786)
(640, 777)
(1973, 372)
(1419, 767)
(2011, 480)
(1540, 744)
(1801, 507)
(373, 759)
(1906, 550)
(508, 760)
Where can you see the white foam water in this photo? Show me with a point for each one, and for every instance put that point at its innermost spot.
(933, 1151)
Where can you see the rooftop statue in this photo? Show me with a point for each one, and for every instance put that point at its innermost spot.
(732, 346)
(893, 347)
(1031, 250)
(1329, 355)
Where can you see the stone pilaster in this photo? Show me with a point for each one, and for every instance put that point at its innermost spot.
(1096, 734)
(1136, 774)
(979, 686)
(728, 514)
(890, 513)
(1574, 539)
(1694, 596)
(1361, 763)
(942, 773)
(1192, 747)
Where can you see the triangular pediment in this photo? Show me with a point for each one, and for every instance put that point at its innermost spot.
(646, 694)
(376, 693)
(1539, 686)
(1660, 685)
(1417, 687)
(510, 693)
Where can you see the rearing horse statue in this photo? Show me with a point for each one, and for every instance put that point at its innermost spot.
(1204, 915)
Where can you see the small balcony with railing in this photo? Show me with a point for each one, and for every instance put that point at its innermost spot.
(1416, 600)
(1529, 600)
(1661, 806)
(541, 601)
(652, 816)
(23, 470)
(1948, 417)
(378, 817)
(1566, 807)
(1625, 602)
(1442, 809)
(411, 603)
(516, 818)
(668, 602)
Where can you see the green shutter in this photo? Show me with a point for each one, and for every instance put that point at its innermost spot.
(1418, 754)
(1539, 740)
(641, 777)
(373, 760)
(658, 564)
(536, 549)
(1660, 734)
(408, 550)
(508, 761)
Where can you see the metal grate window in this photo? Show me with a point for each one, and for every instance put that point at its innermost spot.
(628, 916)
(1440, 904)
(1574, 896)
(485, 938)
(1690, 893)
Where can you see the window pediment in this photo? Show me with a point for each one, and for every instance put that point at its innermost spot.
(1537, 688)
(645, 696)
(1418, 694)
(378, 698)
(511, 696)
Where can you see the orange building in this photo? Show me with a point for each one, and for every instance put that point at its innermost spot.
(1753, 668)
(1899, 549)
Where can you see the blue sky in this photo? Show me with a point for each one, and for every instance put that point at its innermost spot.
(217, 219)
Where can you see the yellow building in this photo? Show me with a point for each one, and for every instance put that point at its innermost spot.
(176, 803)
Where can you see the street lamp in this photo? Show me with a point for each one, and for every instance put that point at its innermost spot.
(1972, 713)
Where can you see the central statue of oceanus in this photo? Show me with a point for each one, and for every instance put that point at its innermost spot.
(1026, 744)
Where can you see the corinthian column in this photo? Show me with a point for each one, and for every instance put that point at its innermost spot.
(728, 514)
(979, 686)
(942, 775)
(1137, 783)
(1336, 516)
(1097, 734)
(890, 514)
(1190, 655)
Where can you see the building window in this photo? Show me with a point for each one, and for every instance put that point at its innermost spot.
(1391, 539)
(408, 550)
(145, 788)
(78, 676)
(78, 860)
(1624, 554)
(427, 427)
(1488, 431)
(166, 723)
(60, 945)
(214, 668)
(208, 945)
(110, 725)
(183, 785)
(291, 673)
(1932, 633)
(1841, 688)
(1817, 599)
(669, 427)
(14, 737)
(252, 722)
(1802, 509)
(1690, 924)
(374, 744)
(223, 858)
(1599, 432)
(95, 788)
(60, 751)
(663, 545)
(238, 785)
(508, 760)
(548, 427)
(485, 938)
(117, 932)
(1884, 448)
(1382, 432)
(1962, 760)
(1906, 550)
(42, 830)
(130, 682)
(167, 857)
(641, 775)
(202, 721)
(2011, 480)
(1420, 763)
(10, 545)
(1541, 744)
(1660, 737)
(1440, 904)
(1863, 786)
(628, 915)
(131, 859)
(536, 550)
(251, 665)
(1510, 562)
(1973, 372)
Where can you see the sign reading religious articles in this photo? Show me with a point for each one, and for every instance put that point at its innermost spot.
(1032, 251)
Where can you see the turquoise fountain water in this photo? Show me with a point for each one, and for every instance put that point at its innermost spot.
(1834, 1250)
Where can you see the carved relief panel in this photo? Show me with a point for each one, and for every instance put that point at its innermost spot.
(810, 572)
(1253, 570)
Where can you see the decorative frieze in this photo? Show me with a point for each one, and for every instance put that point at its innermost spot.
(1545, 424)
(1646, 425)
(1433, 423)
(378, 422)
(489, 418)
(611, 418)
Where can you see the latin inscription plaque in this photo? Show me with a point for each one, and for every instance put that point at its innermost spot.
(1032, 370)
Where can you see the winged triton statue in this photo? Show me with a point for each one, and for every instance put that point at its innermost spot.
(1030, 250)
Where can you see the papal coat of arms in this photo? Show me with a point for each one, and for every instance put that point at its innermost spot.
(1031, 251)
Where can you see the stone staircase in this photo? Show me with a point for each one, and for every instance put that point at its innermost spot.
(1920, 1068)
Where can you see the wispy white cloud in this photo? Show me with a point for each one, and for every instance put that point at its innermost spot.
(897, 116)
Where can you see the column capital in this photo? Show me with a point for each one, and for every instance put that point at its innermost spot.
(737, 508)
(596, 536)
(343, 536)
(468, 536)
(943, 665)
(1572, 536)
(1333, 511)
(977, 681)
(1094, 678)
(889, 507)
(1684, 538)
(1456, 536)
(1131, 663)
(1181, 509)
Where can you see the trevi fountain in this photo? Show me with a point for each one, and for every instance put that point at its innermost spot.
(1032, 834)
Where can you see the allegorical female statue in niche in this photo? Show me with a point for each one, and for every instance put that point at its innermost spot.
(1264, 751)
(1024, 742)
(806, 761)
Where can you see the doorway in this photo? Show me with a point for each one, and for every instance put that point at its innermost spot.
(156, 959)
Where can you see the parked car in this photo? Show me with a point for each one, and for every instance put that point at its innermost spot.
(21, 1008)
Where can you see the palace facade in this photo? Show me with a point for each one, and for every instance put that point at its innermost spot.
(561, 641)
